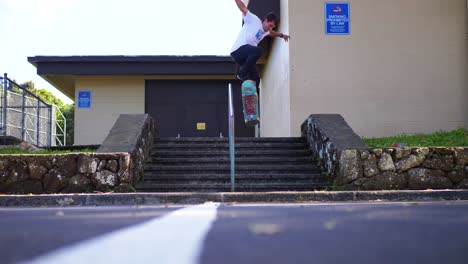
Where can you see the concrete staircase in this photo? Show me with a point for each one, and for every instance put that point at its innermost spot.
(203, 165)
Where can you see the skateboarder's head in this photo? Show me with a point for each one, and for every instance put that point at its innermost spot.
(270, 21)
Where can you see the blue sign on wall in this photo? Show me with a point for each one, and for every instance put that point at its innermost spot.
(337, 18)
(84, 99)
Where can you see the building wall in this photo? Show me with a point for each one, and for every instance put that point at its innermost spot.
(403, 69)
(274, 95)
(110, 97)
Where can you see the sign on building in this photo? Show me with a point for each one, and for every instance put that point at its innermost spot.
(337, 18)
(84, 99)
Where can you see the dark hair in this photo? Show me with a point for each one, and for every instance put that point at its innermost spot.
(271, 17)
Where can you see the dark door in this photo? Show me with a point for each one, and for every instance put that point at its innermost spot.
(194, 108)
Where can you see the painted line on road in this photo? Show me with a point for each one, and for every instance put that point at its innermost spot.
(317, 204)
(175, 238)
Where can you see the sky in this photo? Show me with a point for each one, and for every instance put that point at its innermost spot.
(111, 27)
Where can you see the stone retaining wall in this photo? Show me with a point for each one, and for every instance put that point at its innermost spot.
(117, 167)
(133, 134)
(67, 173)
(403, 168)
(350, 164)
(328, 135)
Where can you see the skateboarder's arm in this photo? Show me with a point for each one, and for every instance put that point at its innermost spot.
(279, 35)
(242, 7)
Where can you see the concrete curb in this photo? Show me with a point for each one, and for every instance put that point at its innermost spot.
(61, 200)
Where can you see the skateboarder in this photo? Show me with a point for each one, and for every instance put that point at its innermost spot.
(245, 51)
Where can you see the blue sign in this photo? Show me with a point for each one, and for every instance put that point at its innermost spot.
(337, 18)
(84, 99)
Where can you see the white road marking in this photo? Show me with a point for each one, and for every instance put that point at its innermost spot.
(175, 238)
(317, 204)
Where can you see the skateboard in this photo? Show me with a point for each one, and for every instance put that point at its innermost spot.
(250, 103)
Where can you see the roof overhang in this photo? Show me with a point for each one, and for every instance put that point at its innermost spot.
(132, 65)
(62, 71)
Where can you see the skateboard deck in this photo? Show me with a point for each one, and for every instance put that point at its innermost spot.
(250, 102)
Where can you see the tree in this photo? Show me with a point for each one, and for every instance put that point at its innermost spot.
(48, 97)
(29, 85)
(69, 113)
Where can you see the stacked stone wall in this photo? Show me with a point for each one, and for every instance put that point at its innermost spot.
(133, 134)
(403, 168)
(118, 165)
(350, 164)
(67, 173)
(142, 149)
(328, 135)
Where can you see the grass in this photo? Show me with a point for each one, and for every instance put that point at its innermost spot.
(454, 138)
(15, 150)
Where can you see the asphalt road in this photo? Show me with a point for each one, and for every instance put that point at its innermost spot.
(345, 233)
(434, 232)
(26, 233)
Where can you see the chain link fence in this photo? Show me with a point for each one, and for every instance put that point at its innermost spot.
(25, 116)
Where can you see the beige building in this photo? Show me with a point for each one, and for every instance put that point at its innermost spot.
(186, 95)
(402, 69)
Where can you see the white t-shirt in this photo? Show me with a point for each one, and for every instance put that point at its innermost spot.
(251, 33)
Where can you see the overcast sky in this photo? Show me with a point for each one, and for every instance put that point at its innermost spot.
(111, 27)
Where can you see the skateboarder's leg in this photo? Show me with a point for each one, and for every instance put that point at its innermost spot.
(247, 56)
(249, 67)
(237, 68)
(239, 58)
(255, 76)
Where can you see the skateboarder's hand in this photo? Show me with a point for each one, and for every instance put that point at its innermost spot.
(279, 35)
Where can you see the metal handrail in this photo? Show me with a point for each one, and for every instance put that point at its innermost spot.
(231, 140)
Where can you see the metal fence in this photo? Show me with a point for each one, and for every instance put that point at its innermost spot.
(25, 116)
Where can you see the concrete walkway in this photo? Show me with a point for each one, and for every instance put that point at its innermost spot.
(110, 199)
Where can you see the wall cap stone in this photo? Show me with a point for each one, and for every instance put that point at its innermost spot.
(124, 135)
(335, 128)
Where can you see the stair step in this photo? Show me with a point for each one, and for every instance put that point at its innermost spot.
(220, 183)
(240, 139)
(238, 153)
(203, 165)
(226, 159)
(225, 187)
(239, 181)
(244, 176)
(227, 167)
(225, 145)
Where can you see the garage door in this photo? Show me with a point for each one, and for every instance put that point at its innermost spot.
(194, 108)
